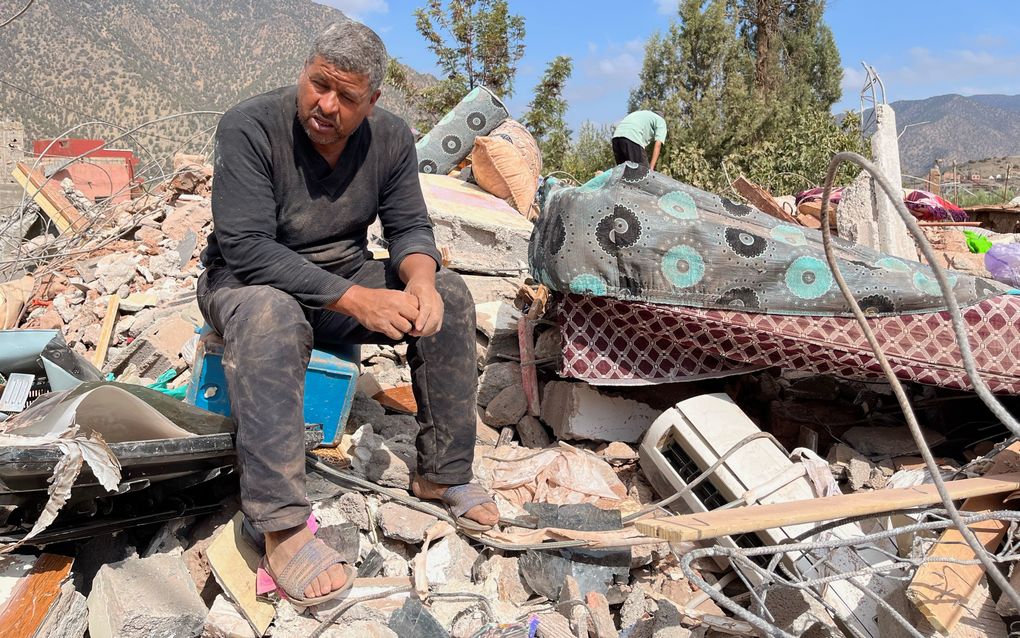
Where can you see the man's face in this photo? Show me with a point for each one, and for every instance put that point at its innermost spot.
(332, 104)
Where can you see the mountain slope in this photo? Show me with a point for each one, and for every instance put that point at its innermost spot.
(957, 128)
(125, 63)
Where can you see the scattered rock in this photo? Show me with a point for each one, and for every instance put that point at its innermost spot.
(579, 411)
(495, 378)
(887, 442)
(505, 571)
(226, 621)
(532, 433)
(125, 604)
(449, 560)
(403, 523)
(507, 407)
(365, 410)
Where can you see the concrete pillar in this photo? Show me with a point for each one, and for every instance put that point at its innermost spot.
(893, 236)
(865, 215)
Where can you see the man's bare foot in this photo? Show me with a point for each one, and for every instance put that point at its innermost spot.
(282, 546)
(485, 514)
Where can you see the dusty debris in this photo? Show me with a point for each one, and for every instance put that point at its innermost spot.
(124, 602)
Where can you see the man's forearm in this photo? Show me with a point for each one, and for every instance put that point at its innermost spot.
(655, 154)
(416, 266)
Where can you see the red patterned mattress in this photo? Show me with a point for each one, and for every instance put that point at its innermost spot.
(613, 342)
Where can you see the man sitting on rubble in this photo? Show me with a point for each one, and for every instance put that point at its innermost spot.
(300, 173)
(633, 135)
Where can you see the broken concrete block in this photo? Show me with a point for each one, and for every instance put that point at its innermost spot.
(553, 625)
(350, 507)
(413, 620)
(344, 538)
(383, 462)
(633, 609)
(798, 612)
(115, 270)
(225, 621)
(289, 623)
(495, 378)
(507, 407)
(403, 523)
(497, 319)
(532, 433)
(485, 233)
(138, 301)
(887, 442)
(468, 622)
(364, 409)
(1005, 606)
(579, 411)
(549, 344)
(668, 622)
(377, 611)
(600, 620)
(68, 617)
(449, 560)
(145, 597)
(396, 556)
(484, 288)
(400, 428)
(506, 573)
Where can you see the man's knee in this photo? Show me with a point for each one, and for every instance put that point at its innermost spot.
(265, 309)
(454, 292)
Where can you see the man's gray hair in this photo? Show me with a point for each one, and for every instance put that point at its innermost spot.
(352, 47)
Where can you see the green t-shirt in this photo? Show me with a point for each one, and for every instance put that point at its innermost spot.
(641, 127)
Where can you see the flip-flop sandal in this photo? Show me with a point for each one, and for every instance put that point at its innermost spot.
(459, 499)
(314, 558)
(257, 540)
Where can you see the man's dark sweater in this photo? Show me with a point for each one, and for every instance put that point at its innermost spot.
(283, 218)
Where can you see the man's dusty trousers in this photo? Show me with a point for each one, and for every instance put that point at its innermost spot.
(268, 340)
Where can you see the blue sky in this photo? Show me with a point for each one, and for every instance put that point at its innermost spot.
(920, 48)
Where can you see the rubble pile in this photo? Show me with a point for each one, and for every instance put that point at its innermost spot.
(572, 467)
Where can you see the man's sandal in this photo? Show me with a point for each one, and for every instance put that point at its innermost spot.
(459, 499)
(314, 558)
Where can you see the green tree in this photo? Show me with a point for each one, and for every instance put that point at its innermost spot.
(746, 87)
(546, 116)
(476, 43)
(590, 154)
(695, 76)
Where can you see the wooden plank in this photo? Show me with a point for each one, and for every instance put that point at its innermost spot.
(942, 591)
(529, 372)
(50, 198)
(762, 200)
(234, 563)
(740, 520)
(34, 595)
(399, 399)
(103, 344)
(814, 210)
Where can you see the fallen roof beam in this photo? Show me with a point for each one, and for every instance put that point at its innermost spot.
(740, 520)
(762, 200)
(50, 198)
(942, 591)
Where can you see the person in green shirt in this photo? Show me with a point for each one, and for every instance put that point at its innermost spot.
(633, 135)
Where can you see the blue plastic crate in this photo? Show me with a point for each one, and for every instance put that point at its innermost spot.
(330, 382)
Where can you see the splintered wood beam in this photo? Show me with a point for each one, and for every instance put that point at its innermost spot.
(942, 591)
(762, 200)
(50, 198)
(99, 357)
(753, 518)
